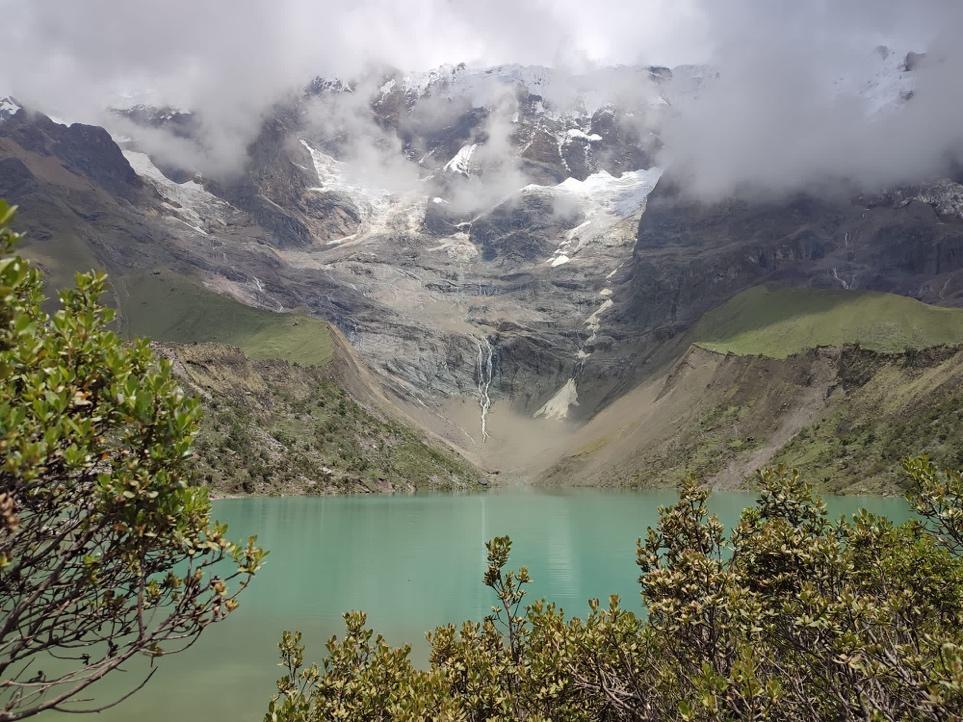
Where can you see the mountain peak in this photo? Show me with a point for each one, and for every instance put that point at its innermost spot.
(8, 107)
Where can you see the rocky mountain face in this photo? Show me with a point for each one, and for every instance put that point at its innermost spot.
(908, 243)
(501, 244)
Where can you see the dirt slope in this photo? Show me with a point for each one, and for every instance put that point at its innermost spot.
(275, 427)
(844, 416)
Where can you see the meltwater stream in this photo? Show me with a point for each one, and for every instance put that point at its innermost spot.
(412, 562)
(486, 370)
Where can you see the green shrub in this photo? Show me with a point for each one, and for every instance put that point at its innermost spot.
(106, 552)
(789, 617)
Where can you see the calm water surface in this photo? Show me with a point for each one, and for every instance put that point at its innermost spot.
(411, 563)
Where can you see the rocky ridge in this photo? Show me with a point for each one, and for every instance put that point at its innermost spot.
(514, 259)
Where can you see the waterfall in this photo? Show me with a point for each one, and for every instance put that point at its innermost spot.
(842, 281)
(486, 356)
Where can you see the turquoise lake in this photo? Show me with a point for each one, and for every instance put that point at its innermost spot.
(412, 563)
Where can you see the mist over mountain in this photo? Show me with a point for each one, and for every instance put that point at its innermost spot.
(673, 249)
(792, 95)
(519, 215)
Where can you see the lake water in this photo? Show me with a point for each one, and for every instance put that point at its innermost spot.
(412, 563)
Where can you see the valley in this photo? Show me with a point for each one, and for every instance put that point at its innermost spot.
(512, 275)
(509, 361)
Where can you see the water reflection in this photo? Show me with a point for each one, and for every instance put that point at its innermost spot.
(411, 563)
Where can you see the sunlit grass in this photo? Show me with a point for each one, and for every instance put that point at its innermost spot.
(777, 322)
(170, 308)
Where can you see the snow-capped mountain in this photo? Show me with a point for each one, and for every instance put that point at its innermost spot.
(502, 244)
(8, 108)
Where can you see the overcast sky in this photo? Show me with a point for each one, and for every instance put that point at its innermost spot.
(63, 52)
(780, 60)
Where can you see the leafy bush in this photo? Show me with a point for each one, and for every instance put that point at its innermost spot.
(792, 616)
(106, 552)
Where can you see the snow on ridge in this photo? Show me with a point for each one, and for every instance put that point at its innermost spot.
(8, 108)
(387, 87)
(564, 92)
(604, 201)
(890, 85)
(189, 202)
(464, 79)
(611, 196)
(882, 82)
(945, 195)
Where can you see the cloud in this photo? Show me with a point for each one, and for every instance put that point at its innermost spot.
(342, 124)
(70, 55)
(496, 167)
(786, 111)
(810, 101)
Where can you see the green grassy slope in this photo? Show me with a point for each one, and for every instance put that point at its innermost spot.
(270, 427)
(777, 322)
(60, 259)
(273, 428)
(888, 407)
(170, 308)
(845, 418)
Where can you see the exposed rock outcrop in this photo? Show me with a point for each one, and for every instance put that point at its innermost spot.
(579, 265)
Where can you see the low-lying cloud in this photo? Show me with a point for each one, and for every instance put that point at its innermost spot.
(344, 127)
(818, 100)
(784, 106)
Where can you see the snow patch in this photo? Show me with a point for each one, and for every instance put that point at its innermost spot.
(615, 198)
(189, 202)
(557, 407)
(332, 176)
(604, 201)
(594, 323)
(461, 163)
(595, 320)
(8, 108)
(575, 133)
(944, 195)
(380, 209)
(559, 260)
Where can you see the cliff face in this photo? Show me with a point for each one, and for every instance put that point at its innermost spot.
(86, 150)
(691, 257)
